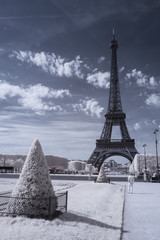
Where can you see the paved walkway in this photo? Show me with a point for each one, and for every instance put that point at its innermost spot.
(142, 212)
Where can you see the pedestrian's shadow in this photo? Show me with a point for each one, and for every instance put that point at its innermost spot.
(76, 217)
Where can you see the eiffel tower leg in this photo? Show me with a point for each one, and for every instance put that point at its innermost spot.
(107, 130)
(124, 131)
(96, 159)
(93, 157)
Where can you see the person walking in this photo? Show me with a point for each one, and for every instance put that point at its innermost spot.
(131, 180)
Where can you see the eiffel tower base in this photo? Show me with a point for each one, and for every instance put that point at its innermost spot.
(111, 148)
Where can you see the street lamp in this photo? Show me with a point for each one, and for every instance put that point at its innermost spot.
(144, 146)
(156, 142)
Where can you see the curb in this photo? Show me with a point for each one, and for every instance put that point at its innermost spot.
(121, 234)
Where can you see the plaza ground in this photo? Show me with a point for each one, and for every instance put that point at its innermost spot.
(142, 212)
(94, 212)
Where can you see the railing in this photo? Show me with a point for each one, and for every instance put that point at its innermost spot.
(60, 198)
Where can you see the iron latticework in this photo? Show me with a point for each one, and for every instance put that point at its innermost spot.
(106, 146)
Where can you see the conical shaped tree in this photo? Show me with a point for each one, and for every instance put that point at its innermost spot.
(102, 178)
(33, 194)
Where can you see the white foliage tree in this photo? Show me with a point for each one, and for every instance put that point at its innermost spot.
(71, 166)
(138, 164)
(94, 170)
(2, 161)
(18, 164)
(34, 187)
(75, 166)
(102, 178)
(88, 168)
(9, 162)
(83, 166)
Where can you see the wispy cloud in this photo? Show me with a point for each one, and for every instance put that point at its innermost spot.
(61, 67)
(50, 63)
(101, 59)
(33, 97)
(121, 69)
(153, 100)
(89, 107)
(137, 126)
(154, 121)
(141, 78)
(99, 79)
(29, 17)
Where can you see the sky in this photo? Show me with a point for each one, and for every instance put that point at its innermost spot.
(55, 61)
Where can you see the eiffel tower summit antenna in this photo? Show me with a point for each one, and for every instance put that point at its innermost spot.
(113, 34)
(106, 146)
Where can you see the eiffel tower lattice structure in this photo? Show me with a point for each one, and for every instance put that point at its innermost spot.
(105, 146)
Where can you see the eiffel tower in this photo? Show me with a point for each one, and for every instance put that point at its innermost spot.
(105, 146)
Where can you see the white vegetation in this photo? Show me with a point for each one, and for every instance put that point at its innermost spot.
(11, 160)
(138, 164)
(18, 165)
(17, 161)
(90, 169)
(83, 166)
(78, 166)
(34, 187)
(102, 178)
(75, 166)
(94, 169)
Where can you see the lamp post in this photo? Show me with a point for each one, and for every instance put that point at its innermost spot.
(145, 170)
(145, 163)
(156, 142)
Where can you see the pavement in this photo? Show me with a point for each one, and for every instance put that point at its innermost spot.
(142, 212)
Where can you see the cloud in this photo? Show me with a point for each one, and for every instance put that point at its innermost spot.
(59, 66)
(50, 63)
(146, 122)
(33, 97)
(101, 59)
(121, 69)
(154, 121)
(152, 81)
(89, 107)
(137, 126)
(99, 79)
(153, 100)
(141, 78)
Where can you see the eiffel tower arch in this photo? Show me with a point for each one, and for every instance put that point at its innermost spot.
(106, 146)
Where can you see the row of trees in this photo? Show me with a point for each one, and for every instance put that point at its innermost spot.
(71, 166)
(138, 164)
(16, 162)
(79, 166)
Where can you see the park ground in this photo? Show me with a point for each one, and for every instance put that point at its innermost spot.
(95, 211)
